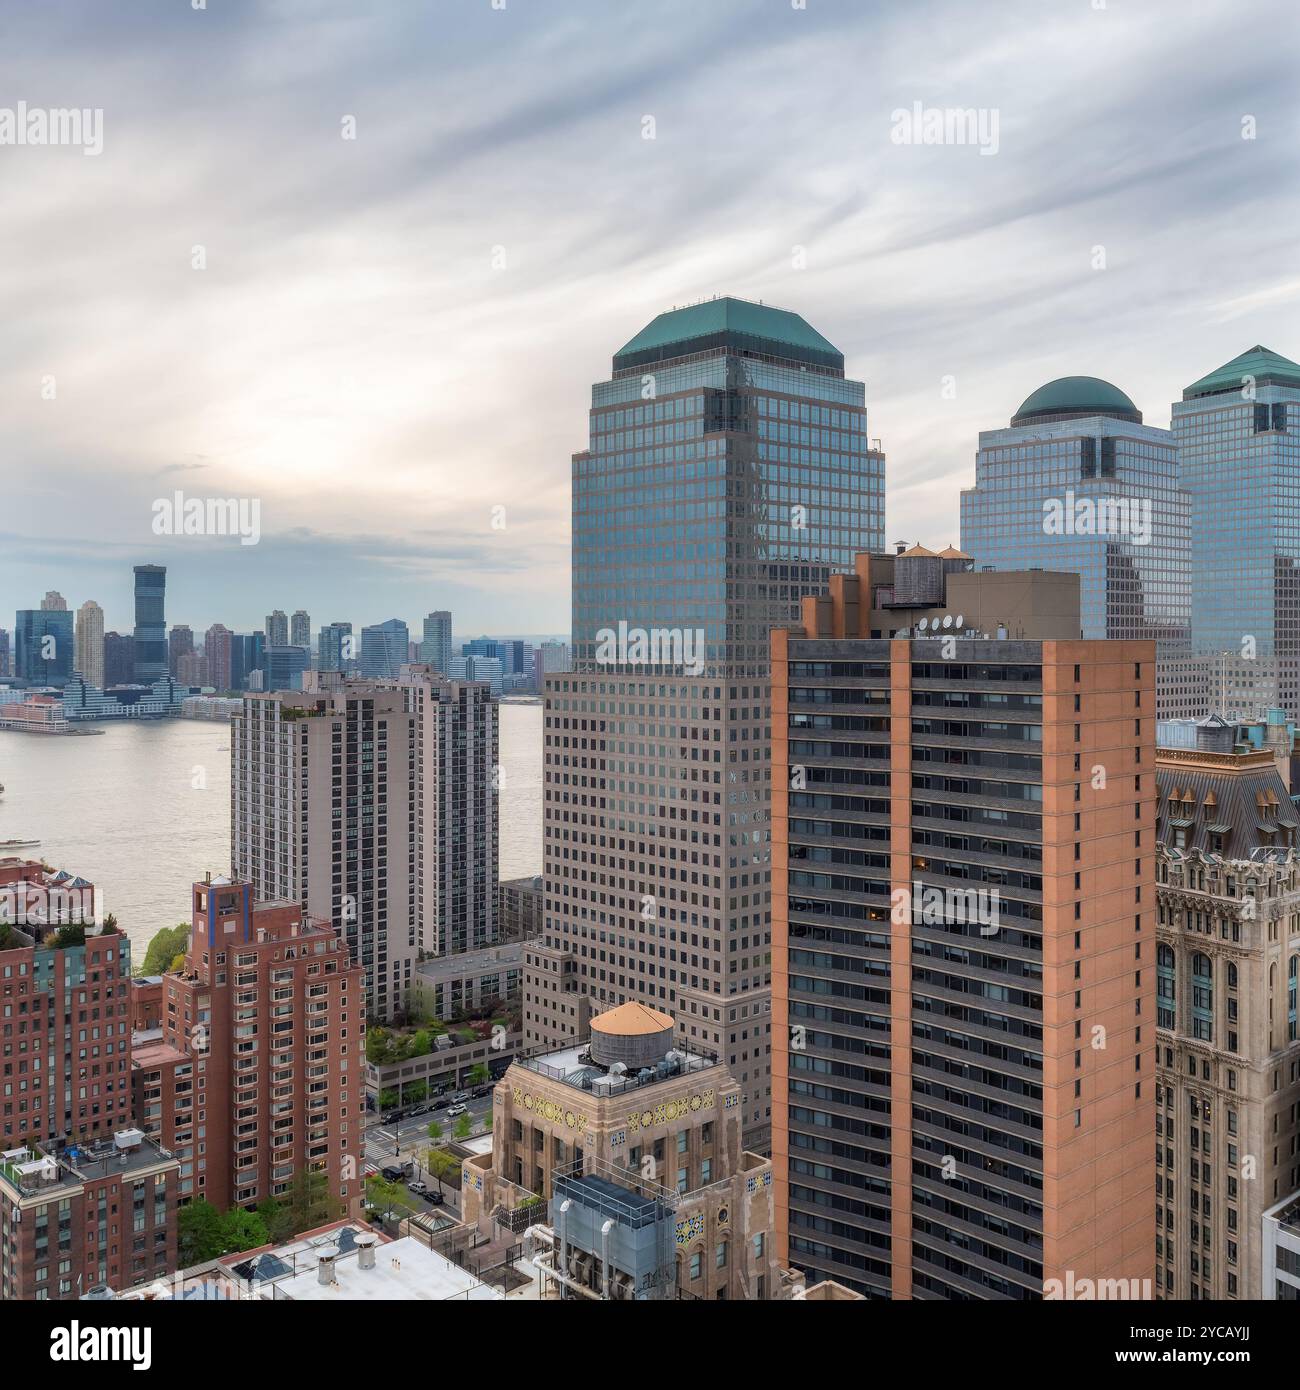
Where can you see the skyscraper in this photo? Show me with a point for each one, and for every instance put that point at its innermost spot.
(247, 654)
(300, 629)
(90, 642)
(334, 647)
(150, 623)
(119, 659)
(284, 667)
(964, 959)
(728, 473)
(277, 629)
(384, 649)
(180, 642)
(374, 804)
(54, 602)
(1077, 482)
(216, 650)
(44, 646)
(1238, 436)
(5, 658)
(321, 814)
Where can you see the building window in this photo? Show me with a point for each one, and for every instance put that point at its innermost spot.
(1165, 987)
(1202, 997)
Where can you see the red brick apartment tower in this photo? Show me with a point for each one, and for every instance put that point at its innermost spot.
(269, 1012)
(962, 1109)
(66, 1031)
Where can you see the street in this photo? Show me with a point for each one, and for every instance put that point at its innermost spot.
(408, 1141)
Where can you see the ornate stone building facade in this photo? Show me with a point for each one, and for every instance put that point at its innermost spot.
(1228, 1075)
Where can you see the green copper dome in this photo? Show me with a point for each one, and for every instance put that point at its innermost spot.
(1070, 397)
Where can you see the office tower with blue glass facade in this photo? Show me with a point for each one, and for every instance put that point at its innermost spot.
(247, 654)
(728, 472)
(150, 623)
(334, 647)
(435, 649)
(284, 667)
(1238, 436)
(385, 648)
(44, 645)
(1078, 483)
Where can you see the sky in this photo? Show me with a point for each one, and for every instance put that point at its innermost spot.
(362, 262)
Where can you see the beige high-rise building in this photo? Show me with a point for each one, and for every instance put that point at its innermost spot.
(54, 602)
(373, 803)
(622, 1155)
(90, 642)
(1227, 962)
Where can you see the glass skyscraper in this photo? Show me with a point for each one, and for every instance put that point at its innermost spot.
(1078, 483)
(150, 624)
(435, 649)
(384, 648)
(1238, 436)
(44, 645)
(728, 473)
(332, 654)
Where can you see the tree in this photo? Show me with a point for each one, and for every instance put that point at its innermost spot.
(463, 1127)
(200, 1233)
(415, 1091)
(311, 1202)
(386, 1196)
(487, 1122)
(243, 1230)
(387, 1099)
(441, 1165)
(435, 1130)
(278, 1220)
(478, 1074)
(164, 948)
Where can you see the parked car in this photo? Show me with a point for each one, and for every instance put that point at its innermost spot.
(420, 1109)
(481, 1091)
(440, 1104)
(391, 1117)
(392, 1173)
(460, 1096)
(417, 1187)
(434, 1199)
(454, 1110)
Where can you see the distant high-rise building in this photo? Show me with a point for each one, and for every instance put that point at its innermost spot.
(1078, 483)
(260, 970)
(247, 655)
(284, 667)
(216, 651)
(478, 668)
(180, 642)
(90, 642)
(45, 645)
(277, 629)
(384, 649)
(552, 656)
(54, 602)
(482, 646)
(300, 629)
(150, 623)
(728, 473)
(962, 908)
(435, 649)
(1238, 435)
(119, 659)
(192, 669)
(5, 658)
(335, 648)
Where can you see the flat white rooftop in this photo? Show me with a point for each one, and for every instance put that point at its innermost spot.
(404, 1269)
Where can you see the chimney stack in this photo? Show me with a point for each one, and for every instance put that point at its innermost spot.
(325, 1265)
(366, 1250)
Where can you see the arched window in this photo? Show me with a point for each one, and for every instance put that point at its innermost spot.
(1165, 1002)
(1202, 997)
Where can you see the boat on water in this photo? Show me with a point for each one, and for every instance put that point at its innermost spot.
(18, 844)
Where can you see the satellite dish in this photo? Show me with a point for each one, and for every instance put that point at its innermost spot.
(947, 620)
(923, 624)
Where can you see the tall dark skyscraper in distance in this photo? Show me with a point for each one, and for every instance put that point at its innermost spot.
(728, 473)
(150, 623)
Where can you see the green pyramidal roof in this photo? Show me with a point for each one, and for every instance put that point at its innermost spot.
(1268, 368)
(729, 322)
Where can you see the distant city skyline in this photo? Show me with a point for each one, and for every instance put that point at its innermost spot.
(391, 337)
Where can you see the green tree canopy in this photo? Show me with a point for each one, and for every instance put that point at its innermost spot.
(166, 945)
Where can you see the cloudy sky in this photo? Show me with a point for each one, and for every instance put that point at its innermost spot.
(395, 334)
